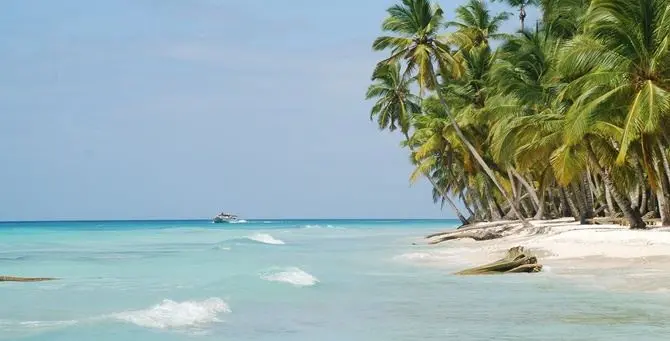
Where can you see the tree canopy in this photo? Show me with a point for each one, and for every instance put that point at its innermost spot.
(569, 118)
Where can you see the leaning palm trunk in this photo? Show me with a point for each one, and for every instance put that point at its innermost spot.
(570, 204)
(439, 190)
(540, 209)
(662, 194)
(633, 215)
(531, 191)
(582, 206)
(610, 203)
(479, 159)
(664, 158)
(444, 195)
(587, 195)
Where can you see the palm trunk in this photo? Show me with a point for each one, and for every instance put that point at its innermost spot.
(531, 191)
(634, 196)
(528, 207)
(522, 17)
(479, 159)
(664, 158)
(516, 193)
(588, 197)
(493, 210)
(455, 209)
(441, 192)
(574, 211)
(580, 200)
(467, 206)
(632, 215)
(662, 194)
(553, 203)
(597, 191)
(610, 204)
(540, 210)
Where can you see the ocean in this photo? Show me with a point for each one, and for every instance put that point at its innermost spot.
(301, 280)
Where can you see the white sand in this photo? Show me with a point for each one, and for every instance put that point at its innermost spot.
(607, 256)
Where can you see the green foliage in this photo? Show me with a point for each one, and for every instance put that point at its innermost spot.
(587, 92)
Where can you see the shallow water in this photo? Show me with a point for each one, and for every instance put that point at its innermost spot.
(288, 280)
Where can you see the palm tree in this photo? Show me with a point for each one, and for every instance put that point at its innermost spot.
(433, 156)
(475, 26)
(396, 106)
(527, 124)
(395, 103)
(621, 69)
(564, 18)
(522, 5)
(416, 22)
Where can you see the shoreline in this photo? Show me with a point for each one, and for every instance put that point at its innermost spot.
(611, 257)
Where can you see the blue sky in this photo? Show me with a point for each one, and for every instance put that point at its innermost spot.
(140, 109)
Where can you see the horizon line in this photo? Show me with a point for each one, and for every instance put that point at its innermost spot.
(199, 219)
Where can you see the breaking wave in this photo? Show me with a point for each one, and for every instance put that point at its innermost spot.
(319, 227)
(171, 314)
(293, 275)
(265, 239)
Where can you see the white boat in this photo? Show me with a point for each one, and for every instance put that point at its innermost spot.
(225, 218)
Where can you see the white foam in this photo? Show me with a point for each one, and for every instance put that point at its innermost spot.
(319, 227)
(265, 239)
(295, 276)
(241, 221)
(418, 256)
(171, 314)
(38, 324)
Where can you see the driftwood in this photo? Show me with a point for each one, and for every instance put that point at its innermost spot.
(474, 227)
(25, 279)
(478, 233)
(516, 260)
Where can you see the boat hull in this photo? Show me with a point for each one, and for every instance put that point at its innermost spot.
(223, 221)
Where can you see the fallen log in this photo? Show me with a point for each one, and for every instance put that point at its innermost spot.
(475, 227)
(526, 268)
(25, 279)
(476, 235)
(516, 260)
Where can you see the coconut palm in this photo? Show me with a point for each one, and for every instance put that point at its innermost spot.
(416, 24)
(396, 106)
(437, 151)
(475, 26)
(395, 103)
(621, 71)
(522, 5)
(624, 61)
(564, 18)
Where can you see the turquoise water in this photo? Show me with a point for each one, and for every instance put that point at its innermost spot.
(287, 280)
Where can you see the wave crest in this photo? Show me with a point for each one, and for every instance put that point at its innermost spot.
(319, 227)
(293, 275)
(171, 314)
(265, 239)
(420, 257)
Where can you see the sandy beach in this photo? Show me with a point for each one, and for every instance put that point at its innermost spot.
(611, 257)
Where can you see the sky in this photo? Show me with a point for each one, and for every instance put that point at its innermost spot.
(147, 109)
